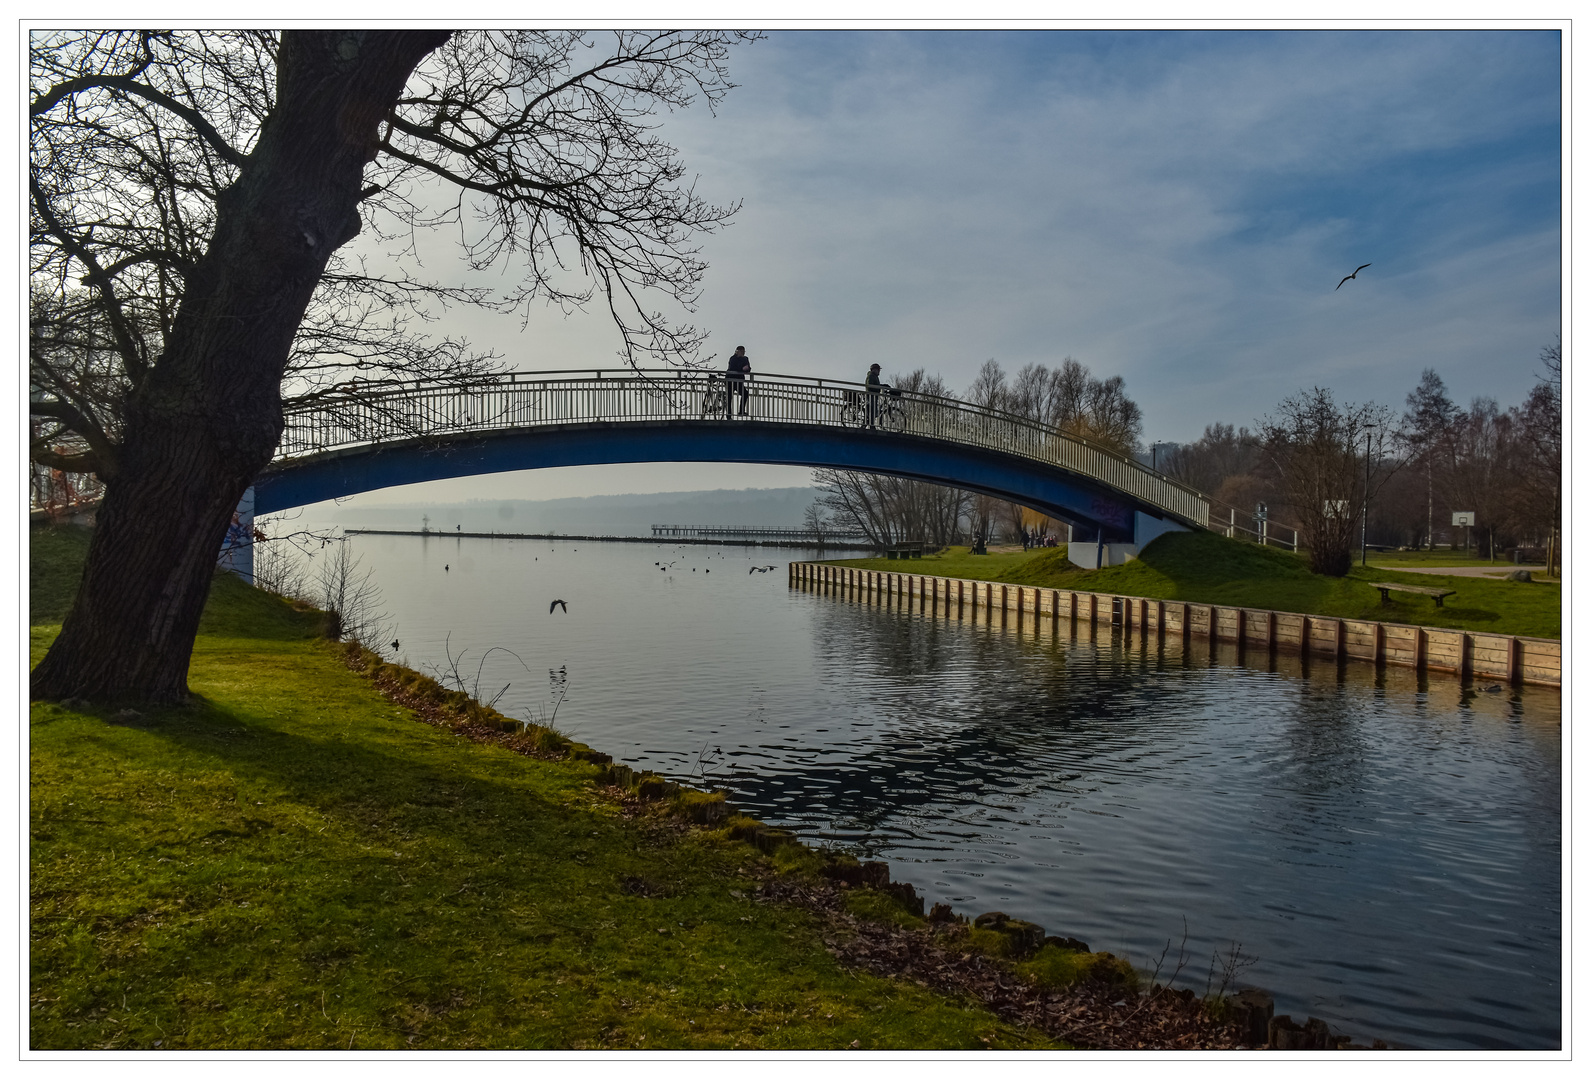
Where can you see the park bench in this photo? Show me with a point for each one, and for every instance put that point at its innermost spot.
(908, 550)
(1387, 588)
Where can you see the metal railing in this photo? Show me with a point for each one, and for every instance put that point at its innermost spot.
(367, 413)
(1244, 525)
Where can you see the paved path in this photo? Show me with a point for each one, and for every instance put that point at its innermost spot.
(1466, 571)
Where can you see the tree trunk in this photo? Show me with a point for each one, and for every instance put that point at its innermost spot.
(1431, 508)
(207, 418)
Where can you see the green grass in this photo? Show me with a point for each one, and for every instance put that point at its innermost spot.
(1202, 567)
(294, 862)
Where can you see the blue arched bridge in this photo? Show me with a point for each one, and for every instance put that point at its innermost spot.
(370, 435)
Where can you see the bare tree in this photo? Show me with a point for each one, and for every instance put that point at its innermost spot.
(892, 509)
(988, 387)
(1324, 453)
(1536, 467)
(348, 594)
(1110, 417)
(1221, 453)
(1428, 423)
(191, 190)
(1475, 475)
(816, 522)
(1067, 399)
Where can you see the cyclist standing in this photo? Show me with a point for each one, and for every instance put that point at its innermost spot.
(739, 371)
(873, 387)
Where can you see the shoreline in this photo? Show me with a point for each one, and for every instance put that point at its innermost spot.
(712, 541)
(877, 927)
(945, 951)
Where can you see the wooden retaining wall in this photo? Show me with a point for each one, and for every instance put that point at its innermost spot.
(1460, 652)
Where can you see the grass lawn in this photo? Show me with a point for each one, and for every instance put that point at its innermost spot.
(1203, 567)
(295, 862)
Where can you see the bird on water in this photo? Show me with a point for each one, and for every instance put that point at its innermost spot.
(1349, 278)
(558, 604)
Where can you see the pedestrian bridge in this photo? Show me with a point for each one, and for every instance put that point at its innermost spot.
(365, 436)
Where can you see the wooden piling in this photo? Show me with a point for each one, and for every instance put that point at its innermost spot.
(1466, 654)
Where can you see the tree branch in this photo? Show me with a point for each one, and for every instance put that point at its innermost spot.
(127, 85)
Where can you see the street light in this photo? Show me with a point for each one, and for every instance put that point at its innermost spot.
(1364, 506)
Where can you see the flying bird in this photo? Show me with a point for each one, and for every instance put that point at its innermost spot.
(1349, 278)
(558, 604)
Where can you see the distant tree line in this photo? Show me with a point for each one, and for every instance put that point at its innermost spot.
(1341, 473)
(1317, 463)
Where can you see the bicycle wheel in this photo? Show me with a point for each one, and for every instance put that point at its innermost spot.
(892, 417)
(851, 414)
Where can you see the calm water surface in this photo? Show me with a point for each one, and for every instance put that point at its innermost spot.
(1385, 849)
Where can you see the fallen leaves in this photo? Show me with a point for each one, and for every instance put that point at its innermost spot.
(1088, 1014)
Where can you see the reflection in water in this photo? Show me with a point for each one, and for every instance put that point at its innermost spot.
(1386, 846)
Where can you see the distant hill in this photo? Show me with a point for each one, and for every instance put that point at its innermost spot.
(596, 515)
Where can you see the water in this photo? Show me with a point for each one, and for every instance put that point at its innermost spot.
(1385, 850)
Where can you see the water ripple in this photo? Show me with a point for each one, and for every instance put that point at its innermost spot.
(1388, 849)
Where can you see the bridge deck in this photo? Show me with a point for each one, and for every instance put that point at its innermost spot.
(371, 417)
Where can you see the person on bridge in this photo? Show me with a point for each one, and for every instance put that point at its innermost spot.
(739, 371)
(873, 387)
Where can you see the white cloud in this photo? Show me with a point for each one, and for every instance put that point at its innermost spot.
(1175, 209)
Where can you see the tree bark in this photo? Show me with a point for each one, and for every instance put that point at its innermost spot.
(207, 418)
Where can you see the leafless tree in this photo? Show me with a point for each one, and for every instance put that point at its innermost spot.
(189, 194)
(1475, 475)
(1324, 452)
(1067, 399)
(892, 509)
(1536, 467)
(1110, 417)
(347, 591)
(1428, 428)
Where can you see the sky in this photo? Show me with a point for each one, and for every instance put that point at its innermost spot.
(1176, 208)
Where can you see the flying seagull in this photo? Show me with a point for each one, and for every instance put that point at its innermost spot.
(1349, 278)
(558, 604)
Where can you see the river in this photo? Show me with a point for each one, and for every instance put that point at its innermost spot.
(1376, 849)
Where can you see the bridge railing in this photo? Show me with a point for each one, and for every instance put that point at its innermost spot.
(366, 413)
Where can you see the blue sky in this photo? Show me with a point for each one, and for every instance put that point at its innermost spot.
(1172, 207)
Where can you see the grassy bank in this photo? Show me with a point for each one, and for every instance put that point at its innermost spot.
(1202, 567)
(294, 862)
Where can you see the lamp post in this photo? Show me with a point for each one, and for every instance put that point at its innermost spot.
(1364, 505)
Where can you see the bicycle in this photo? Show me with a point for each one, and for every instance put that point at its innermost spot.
(854, 412)
(889, 411)
(716, 401)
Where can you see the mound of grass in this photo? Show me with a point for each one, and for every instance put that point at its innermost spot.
(293, 862)
(1206, 568)
(1055, 966)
